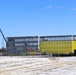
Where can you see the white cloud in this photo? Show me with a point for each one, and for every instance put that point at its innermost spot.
(48, 7)
(59, 7)
(73, 9)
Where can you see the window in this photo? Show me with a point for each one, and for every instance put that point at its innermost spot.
(19, 44)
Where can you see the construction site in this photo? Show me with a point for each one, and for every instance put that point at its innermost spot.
(31, 55)
(37, 66)
(39, 45)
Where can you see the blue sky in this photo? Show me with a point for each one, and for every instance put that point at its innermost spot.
(37, 17)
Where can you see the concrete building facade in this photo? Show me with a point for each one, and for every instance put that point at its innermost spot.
(16, 45)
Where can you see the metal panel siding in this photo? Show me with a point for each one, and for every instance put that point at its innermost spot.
(73, 46)
(56, 47)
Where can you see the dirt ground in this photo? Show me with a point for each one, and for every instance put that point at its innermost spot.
(37, 66)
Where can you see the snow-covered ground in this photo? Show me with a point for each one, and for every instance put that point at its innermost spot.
(38, 66)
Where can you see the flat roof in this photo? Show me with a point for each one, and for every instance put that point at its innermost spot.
(24, 37)
(58, 36)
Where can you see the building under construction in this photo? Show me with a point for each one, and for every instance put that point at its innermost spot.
(18, 45)
(65, 44)
(58, 45)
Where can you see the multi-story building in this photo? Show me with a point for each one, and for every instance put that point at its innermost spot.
(16, 45)
(65, 44)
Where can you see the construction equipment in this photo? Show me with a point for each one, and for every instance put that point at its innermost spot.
(7, 43)
(3, 49)
(3, 36)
